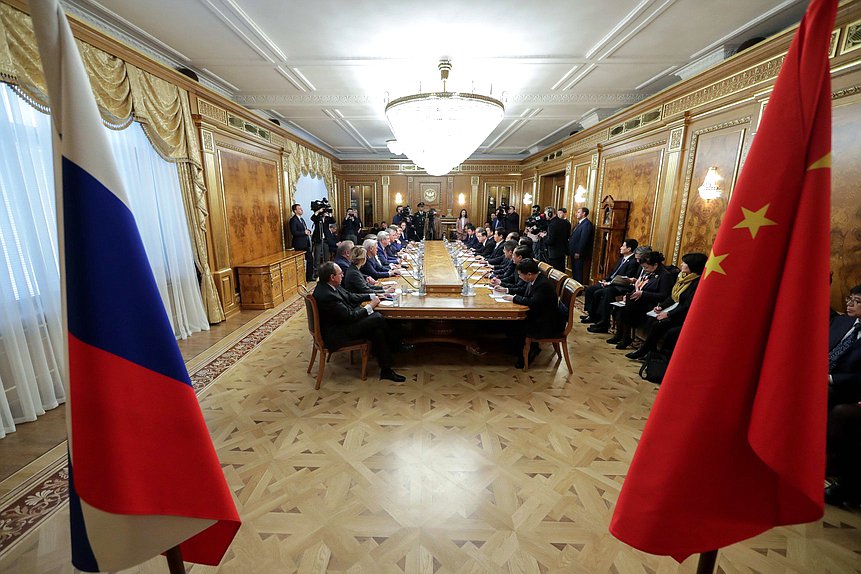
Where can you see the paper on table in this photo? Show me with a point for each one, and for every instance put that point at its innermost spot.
(387, 303)
(618, 303)
(389, 282)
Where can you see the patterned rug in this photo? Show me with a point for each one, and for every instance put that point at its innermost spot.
(39, 498)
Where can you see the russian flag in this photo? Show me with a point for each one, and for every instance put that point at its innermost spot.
(143, 473)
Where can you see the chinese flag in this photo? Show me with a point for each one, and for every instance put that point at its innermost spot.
(735, 443)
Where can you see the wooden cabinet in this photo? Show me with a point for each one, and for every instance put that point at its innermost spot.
(268, 281)
(611, 225)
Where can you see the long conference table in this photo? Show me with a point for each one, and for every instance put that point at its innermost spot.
(435, 316)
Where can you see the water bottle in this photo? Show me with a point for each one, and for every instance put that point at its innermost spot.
(396, 297)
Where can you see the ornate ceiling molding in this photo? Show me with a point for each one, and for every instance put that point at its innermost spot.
(595, 99)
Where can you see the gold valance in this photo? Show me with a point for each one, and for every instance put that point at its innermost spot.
(303, 161)
(124, 93)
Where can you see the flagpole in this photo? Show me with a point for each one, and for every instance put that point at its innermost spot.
(174, 560)
(707, 562)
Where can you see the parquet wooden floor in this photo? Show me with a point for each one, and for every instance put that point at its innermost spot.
(469, 467)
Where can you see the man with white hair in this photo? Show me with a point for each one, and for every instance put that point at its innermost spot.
(373, 267)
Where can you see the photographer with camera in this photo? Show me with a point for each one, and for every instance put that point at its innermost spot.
(351, 226)
(431, 224)
(556, 238)
(321, 217)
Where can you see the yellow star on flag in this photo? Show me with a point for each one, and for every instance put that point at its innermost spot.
(713, 264)
(753, 220)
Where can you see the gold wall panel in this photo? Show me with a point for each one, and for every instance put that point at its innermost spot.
(634, 177)
(845, 201)
(253, 211)
(720, 149)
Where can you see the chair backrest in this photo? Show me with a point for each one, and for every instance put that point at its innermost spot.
(557, 278)
(544, 267)
(569, 292)
(313, 315)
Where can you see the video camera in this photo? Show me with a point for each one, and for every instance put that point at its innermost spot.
(536, 223)
(321, 205)
(405, 211)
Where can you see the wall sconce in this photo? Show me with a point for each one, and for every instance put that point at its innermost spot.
(709, 189)
(461, 199)
(527, 199)
(580, 194)
(399, 199)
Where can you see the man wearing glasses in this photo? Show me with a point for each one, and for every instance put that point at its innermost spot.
(844, 409)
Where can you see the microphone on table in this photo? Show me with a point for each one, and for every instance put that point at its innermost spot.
(408, 281)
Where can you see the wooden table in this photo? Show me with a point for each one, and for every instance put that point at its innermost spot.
(439, 310)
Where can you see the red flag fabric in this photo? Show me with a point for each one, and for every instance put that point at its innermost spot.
(735, 443)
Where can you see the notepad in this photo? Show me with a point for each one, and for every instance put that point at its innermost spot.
(667, 310)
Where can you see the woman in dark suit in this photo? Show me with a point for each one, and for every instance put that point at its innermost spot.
(648, 292)
(354, 281)
(672, 311)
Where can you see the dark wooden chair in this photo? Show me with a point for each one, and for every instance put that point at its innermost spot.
(570, 290)
(544, 267)
(318, 344)
(557, 279)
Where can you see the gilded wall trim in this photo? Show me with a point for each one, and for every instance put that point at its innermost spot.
(852, 37)
(246, 151)
(412, 168)
(689, 172)
(676, 138)
(211, 111)
(743, 80)
(208, 145)
(846, 92)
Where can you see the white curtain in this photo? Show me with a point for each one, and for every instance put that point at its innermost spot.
(30, 332)
(156, 201)
(30, 335)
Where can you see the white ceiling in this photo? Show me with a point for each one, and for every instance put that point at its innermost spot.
(326, 68)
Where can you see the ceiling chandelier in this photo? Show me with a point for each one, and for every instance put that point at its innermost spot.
(439, 130)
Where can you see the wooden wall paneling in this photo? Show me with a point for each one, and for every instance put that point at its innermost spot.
(252, 203)
(218, 244)
(666, 217)
(634, 175)
(845, 199)
(462, 185)
(721, 146)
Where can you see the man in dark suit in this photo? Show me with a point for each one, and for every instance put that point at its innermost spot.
(497, 255)
(580, 243)
(556, 239)
(343, 319)
(543, 319)
(844, 408)
(512, 220)
(302, 239)
(351, 226)
(626, 267)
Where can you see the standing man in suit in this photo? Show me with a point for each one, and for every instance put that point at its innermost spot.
(844, 408)
(580, 243)
(343, 319)
(302, 239)
(512, 220)
(543, 319)
(556, 238)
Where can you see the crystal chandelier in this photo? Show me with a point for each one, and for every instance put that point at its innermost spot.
(439, 130)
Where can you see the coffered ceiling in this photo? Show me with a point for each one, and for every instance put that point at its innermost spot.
(326, 68)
